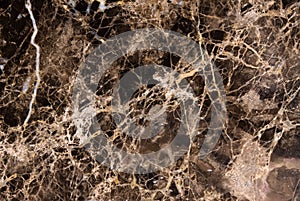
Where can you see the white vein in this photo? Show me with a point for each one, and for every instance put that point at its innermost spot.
(37, 60)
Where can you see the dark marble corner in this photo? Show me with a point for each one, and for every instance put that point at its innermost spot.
(255, 48)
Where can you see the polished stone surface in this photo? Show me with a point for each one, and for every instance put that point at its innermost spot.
(255, 46)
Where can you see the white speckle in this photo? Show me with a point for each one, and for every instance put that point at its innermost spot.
(180, 3)
(71, 3)
(88, 10)
(1, 67)
(25, 86)
(209, 170)
(102, 6)
(21, 16)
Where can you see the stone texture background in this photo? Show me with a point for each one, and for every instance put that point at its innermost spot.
(255, 45)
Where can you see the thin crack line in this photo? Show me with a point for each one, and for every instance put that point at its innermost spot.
(37, 60)
(295, 191)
